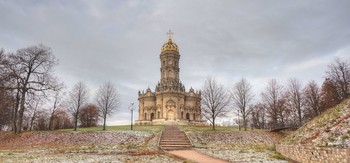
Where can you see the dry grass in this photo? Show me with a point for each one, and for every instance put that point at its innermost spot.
(229, 143)
(210, 128)
(116, 128)
(331, 128)
(117, 144)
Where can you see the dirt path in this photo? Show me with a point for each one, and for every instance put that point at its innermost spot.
(196, 156)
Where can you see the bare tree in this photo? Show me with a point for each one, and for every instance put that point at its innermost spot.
(215, 100)
(258, 116)
(339, 73)
(29, 70)
(6, 104)
(271, 95)
(61, 119)
(88, 116)
(77, 99)
(107, 100)
(329, 95)
(288, 115)
(242, 96)
(42, 119)
(56, 99)
(33, 104)
(294, 97)
(312, 98)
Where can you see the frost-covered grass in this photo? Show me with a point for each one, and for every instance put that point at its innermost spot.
(117, 144)
(243, 155)
(331, 128)
(210, 128)
(113, 139)
(116, 128)
(229, 143)
(84, 158)
(233, 138)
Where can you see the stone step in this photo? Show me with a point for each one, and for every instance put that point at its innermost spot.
(180, 144)
(174, 136)
(177, 142)
(170, 140)
(174, 139)
(176, 148)
(176, 145)
(168, 136)
(178, 136)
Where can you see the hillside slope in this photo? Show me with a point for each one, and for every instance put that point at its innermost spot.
(331, 128)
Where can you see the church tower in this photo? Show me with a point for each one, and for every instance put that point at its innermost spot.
(169, 58)
(169, 103)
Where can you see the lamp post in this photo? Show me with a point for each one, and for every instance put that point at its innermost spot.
(131, 108)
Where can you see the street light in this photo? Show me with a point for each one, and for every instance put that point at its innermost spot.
(131, 108)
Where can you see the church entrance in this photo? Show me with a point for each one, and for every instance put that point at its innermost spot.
(171, 115)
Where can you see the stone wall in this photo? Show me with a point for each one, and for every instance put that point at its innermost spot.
(308, 154)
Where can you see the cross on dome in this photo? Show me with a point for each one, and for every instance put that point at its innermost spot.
(170, 45)
(169, 33)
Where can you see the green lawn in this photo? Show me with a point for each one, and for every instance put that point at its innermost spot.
(116, 128)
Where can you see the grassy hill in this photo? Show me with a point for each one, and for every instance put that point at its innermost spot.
(331, 128)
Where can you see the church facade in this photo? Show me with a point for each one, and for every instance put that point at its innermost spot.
(169, 103)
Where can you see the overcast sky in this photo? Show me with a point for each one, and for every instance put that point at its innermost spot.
(120, 41)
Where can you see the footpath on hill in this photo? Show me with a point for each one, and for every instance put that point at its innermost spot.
(177, 143)
(196, 156)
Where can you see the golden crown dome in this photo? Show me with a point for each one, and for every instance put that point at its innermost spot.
(170, 46)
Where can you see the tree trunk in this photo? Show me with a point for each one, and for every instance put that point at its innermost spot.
(244, 123)
(31, 122)
(299, 114)
(14, 113)
(21, 111)
(104, 122)
(14, 117)
(75, 121)
(213, 123)
(50, 122)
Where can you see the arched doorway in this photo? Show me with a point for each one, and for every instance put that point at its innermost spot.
(152, 116)
(188, 116)
(171, 115)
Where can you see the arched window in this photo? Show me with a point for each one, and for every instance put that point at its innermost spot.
(152, 116)
(170, 74)
(188, 116)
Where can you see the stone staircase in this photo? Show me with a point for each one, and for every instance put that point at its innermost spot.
(174, 139)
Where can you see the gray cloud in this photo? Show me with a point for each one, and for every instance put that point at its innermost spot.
(120, 41)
